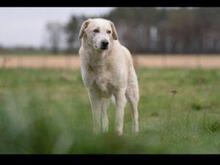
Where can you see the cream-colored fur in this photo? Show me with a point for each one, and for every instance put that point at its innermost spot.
(107, 73)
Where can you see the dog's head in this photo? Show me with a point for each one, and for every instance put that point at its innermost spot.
(98, 33)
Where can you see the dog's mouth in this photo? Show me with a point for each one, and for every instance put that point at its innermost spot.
(104, 47)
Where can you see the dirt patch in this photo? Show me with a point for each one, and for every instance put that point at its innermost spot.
(68, 62)
(178, 61)
(73, 62)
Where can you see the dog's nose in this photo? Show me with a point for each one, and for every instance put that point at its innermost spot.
(104, 44)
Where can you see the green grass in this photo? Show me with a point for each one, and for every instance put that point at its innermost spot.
(48, 111)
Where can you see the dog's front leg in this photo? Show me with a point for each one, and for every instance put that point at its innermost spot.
(120, 105)
(105, 123)
(96, 105)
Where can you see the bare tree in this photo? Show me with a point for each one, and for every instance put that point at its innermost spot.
(55, 32)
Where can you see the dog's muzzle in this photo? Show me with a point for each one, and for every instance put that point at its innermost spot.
(104, 44)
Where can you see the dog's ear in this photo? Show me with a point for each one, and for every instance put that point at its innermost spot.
(83, 27)
(114, 32)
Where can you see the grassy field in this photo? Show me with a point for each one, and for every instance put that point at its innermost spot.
(48, 111)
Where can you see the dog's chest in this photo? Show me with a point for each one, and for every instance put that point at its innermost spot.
(101, 77)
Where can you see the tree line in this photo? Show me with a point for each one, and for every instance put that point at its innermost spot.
(148, 30)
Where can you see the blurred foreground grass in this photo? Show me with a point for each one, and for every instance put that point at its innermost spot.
(48, 111)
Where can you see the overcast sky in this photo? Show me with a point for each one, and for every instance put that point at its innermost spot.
(26, 26)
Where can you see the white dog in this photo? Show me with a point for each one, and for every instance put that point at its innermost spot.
(107, 70)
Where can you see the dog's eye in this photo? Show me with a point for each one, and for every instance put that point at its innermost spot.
(96, 31)
(108, 31)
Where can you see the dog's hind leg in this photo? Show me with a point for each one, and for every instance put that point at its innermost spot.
(132, 96)
(120, 105)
